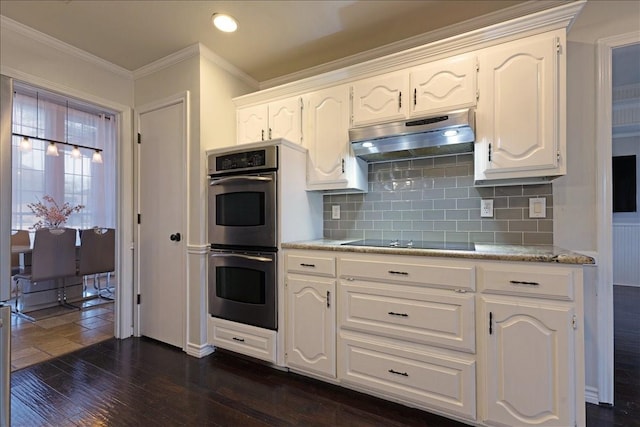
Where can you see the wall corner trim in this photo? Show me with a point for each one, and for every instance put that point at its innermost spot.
(199, 351)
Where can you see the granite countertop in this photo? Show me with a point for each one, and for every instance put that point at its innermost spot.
(533, 253)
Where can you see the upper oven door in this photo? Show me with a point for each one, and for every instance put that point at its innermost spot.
(242, 210)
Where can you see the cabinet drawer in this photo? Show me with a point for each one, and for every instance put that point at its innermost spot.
(400, 271)
(311, 264)
(244, 339)
(428, 379)
(427, 316)
(540, 281)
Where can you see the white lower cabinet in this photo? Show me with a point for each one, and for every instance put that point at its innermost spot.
(421, 376)
(531, 328)
(310, 338)
(529, 362)
(418, 315)
(244, 339)
(491, 343)
(311, 325)
(407, 330)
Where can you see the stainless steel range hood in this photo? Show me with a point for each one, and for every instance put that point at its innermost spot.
(441, 135)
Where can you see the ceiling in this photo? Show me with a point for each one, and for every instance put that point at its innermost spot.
(274, 39)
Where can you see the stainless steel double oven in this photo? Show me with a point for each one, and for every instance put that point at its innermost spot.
(242, 230)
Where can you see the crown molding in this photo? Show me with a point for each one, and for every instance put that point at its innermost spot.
(25, 31)
(226, 65)
(411, 42)
(196, 49)
(467, 26)
(167, 61)
(522, 26)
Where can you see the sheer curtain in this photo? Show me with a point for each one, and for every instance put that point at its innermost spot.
(65, 178)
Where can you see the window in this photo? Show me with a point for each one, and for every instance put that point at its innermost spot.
(40, 114)
(624, 183)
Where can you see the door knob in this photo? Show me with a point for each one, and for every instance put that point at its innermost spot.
(175, 237)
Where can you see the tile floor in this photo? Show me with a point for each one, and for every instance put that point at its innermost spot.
(59, 331)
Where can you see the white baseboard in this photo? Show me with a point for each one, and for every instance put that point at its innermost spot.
(591, 395)
(199, 351)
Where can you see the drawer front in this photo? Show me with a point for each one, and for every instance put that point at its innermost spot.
(540, 281)
(442, 276)
(308, 264)
(430, 380)
(428, 316)
(244, 339)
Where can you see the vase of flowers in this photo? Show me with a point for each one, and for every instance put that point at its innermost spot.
(50, 214)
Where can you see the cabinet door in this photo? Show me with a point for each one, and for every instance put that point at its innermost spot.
(529, 370)
(310, 337)
(327, 134)
(520, 115)
(444, 85)
(252, 124)
(381, 98)
(285, 120)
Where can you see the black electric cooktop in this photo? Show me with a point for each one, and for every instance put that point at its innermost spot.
(417, 244)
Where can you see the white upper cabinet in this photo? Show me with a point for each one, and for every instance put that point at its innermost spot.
(278, 119)
(380, 98)
(443, 85)
(520, 119)
(331, 164)
(252, 123)
(285, 120)
(438, 86)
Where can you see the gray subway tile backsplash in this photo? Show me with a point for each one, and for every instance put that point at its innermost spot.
(435, 200)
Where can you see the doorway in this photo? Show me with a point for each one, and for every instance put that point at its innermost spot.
(604, 146)
(47, 171)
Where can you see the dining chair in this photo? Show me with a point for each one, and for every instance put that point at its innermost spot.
(18, 238)
(53, 258)
(97, 255)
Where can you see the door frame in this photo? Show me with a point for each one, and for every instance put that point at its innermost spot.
(123, 316)
(181, 98)
(604, 194)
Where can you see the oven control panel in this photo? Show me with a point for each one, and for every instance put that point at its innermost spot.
(242, 161)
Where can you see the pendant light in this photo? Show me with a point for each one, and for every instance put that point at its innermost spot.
(25, 142)
(97, 157)
(52, 149)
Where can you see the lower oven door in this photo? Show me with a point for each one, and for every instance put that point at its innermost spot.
(243, 287)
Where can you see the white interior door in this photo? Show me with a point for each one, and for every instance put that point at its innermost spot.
(161, 204)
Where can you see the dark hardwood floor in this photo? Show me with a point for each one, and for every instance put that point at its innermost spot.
(140, 382)
(626, 343)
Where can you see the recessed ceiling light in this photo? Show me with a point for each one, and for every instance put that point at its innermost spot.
(224, 22)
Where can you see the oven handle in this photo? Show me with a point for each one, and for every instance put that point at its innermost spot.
(249, 257)
(240, 178)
